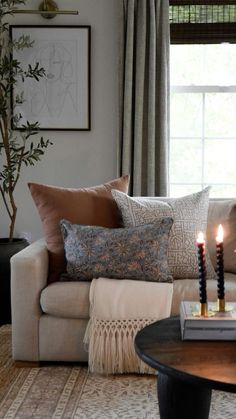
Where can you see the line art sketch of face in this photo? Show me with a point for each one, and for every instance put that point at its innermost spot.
(58, 91)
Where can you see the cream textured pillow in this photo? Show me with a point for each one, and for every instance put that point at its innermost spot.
(190, 216)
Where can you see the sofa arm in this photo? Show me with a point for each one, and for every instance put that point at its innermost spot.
(29, 271)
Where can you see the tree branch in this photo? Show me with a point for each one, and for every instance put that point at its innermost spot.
(1, 128)
(5, 202)
(18, 169)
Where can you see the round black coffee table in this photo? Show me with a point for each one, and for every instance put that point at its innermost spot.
(188, 370)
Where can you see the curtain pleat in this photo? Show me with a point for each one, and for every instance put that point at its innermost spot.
(144, 73)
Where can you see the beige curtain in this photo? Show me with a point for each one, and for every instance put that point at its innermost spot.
(144, 101)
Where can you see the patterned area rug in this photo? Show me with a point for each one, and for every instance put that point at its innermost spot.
(67, 392)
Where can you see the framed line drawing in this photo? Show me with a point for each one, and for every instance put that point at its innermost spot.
(61, 99)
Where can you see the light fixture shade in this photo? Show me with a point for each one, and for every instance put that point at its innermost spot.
(47, 9)
(48, 6)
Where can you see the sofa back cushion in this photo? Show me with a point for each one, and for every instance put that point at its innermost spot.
(92, 206)
(223, 212)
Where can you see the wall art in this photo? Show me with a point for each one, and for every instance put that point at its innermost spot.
(61, 99)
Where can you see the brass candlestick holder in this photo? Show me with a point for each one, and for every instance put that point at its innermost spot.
(221, 304)
(203, 310)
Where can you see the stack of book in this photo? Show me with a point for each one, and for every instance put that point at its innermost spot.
(216, 326)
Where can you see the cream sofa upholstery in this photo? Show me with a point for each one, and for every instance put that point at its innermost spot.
(49, 321)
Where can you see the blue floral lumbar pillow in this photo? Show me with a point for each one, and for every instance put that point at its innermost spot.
(124, 253)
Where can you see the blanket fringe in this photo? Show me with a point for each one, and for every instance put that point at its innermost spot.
(110, 345)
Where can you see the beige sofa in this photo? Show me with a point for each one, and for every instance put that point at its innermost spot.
(49, 321)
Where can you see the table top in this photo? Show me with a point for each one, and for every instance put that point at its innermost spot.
(206, 363)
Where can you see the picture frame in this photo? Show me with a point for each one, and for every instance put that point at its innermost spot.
(61, 99)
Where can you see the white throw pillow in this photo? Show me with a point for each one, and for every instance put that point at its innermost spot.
(190, 217)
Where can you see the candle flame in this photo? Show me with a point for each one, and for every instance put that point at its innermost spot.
(220, 234)
(200, 238)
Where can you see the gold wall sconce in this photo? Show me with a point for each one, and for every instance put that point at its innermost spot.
(48, 9)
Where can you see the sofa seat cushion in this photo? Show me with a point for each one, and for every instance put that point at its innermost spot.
(66, 299)
(188, 290)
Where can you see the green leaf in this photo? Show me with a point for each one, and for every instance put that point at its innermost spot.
(20, 150)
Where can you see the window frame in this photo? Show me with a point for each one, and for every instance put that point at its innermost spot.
(201, 33)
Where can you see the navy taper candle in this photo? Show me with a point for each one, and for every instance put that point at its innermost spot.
(202, 274)
(220, 267)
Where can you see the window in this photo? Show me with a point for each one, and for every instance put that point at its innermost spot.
(203, 106)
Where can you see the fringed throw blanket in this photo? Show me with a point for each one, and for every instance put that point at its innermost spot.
(118, 310)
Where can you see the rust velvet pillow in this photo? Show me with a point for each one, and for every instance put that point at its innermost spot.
(87, 206)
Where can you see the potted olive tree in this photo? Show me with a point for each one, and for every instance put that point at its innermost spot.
(16, 147)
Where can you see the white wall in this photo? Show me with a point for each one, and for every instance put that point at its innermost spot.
(78, 158)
